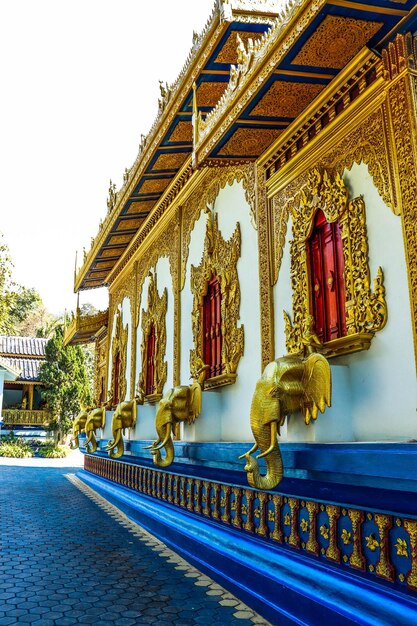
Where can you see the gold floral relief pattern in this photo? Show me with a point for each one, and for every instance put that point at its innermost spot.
(119, 350)
(229, 52)
(219, 258)
(126, 287)
(250, 142)
(206, 195)
(366, 144)
(400, 57)
(155, 315)
(182, 133)
(265, 283)
(366, 310)
(336, 41)
(166, 244)
(170, 161)
(287, 99)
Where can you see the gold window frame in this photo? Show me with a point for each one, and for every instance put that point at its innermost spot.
(119, 345)
(155, 315)
(366, 309)
(219, 258)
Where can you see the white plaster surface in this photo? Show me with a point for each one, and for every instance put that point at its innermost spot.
(374, 391)
(226, 411)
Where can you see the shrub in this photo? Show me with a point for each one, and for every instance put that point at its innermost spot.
(52, 451)
(16, 449)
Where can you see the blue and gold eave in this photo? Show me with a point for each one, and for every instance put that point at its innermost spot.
(167, 150)
(295, 63)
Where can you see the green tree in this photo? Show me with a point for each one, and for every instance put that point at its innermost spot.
(66, 385)
(6, 294)
(24, 301)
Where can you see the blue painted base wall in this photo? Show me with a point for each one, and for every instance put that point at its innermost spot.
(284, 586)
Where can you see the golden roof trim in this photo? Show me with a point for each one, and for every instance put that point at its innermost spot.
(257, 63)
(224, 11)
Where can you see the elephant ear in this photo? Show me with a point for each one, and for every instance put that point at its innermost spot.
(317, 385)
(195, 401)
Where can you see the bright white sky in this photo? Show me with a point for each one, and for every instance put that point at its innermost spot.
(79, 84)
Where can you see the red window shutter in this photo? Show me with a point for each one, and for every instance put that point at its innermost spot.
(212, 328)
(325, 255)
(150, 362)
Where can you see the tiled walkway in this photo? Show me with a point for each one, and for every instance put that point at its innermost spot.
(67, 556)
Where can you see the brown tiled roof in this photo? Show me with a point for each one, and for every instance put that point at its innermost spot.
(27, 346)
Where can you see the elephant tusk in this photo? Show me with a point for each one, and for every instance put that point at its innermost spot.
(273, 441)
(249, 452)
(165, 441)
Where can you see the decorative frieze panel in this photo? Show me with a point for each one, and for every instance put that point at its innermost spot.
(381, 545)
(119, 360)
(219, 259)
(154, 317)
(366, 310)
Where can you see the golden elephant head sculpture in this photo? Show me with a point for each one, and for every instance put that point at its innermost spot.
(180, 404)
(288, 385)
(78, 426)
(96, 419)
(123, 417)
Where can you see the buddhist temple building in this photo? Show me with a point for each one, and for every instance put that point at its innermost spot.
(255, 394)
(22, 403)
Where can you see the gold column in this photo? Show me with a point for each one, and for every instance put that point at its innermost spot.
(30, 398)
(400, 59)
(265, 276)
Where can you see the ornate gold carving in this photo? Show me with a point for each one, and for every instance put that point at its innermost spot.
(356, 559)
(78, 426)
(119, 354)
(208, 93)
(288, 385)
(399, 64)
(332, 550)
(384, 568)
(411, 529)
(401, 547)
(155, 316)
(96, 419)
(229, 52)
(213, 182)
(265, 279)
(131, 224)
(180, 404)
(294, 538)
(366, 311)
(182, 133)
(336, 41)
(249, 142)
(312, 545)
(324, 531)
(219, 258)
(170, 161)
(371, 542)
(346, 537)
(287, 98)
(123, 417)
(154, 185)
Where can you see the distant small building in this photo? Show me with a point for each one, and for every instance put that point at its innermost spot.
(22, 403)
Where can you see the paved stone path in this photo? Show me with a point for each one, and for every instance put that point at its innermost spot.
(67, 556)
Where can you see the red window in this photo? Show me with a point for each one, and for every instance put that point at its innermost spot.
(116, 399)
(150, 362)
(212, 328)
(325, 259)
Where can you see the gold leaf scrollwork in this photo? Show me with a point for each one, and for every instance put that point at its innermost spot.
(155, 316)
(401, 547)
(366, 310)
(220, 259)
(119, 350)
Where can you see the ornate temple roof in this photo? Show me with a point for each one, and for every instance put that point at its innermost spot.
(256, 67)
(24, 355)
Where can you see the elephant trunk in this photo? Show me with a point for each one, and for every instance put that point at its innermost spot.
(274, 470)
(116, 447)
(169, 454)
(74, 443)
(91, 443)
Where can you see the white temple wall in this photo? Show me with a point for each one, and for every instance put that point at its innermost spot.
(226, 411)
(365, 407)
(383, 378)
